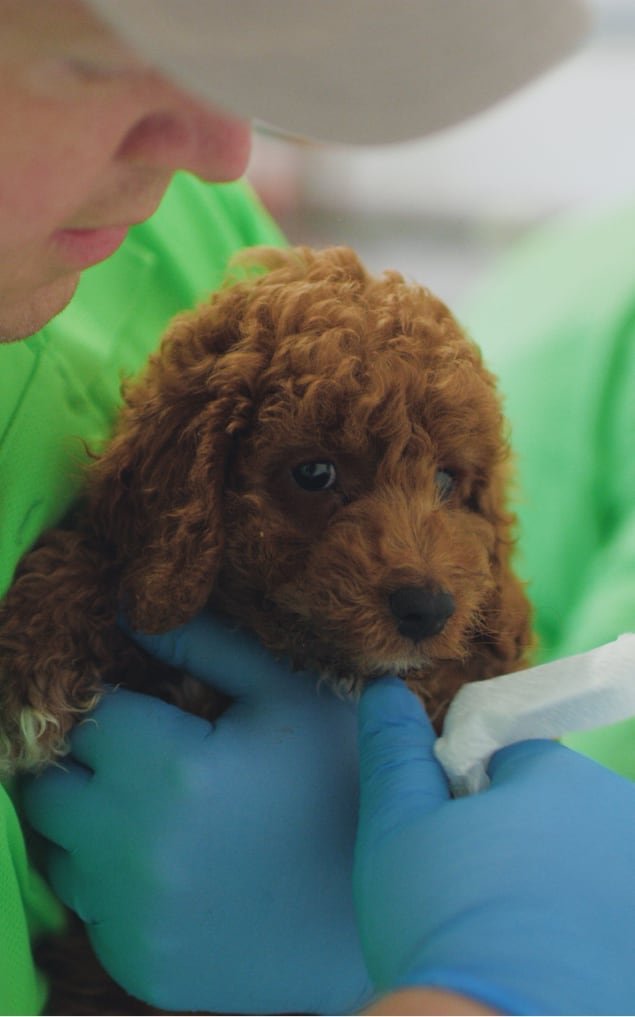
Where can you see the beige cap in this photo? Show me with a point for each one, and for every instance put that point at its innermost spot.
(357, 71)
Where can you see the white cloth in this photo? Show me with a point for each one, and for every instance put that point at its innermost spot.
(577, 693)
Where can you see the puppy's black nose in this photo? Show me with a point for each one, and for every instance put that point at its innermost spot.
(421, 611)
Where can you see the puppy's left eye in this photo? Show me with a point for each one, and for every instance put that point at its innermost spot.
(315, 476)
(445, 481)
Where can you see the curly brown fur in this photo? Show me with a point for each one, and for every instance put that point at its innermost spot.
(195, 502)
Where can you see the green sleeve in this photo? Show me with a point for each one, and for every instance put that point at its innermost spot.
(557, 324)
(26, 907)
(60, 389)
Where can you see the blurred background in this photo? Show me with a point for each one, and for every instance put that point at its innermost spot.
(444, 209)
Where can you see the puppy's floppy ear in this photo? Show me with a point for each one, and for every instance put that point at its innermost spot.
(155, 495)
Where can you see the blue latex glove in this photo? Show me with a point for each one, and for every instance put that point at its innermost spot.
(522, 896)
(213, 865)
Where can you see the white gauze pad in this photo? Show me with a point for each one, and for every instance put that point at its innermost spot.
(577, 693)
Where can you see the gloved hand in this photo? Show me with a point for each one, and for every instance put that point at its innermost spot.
(522, 896)
(213, 865)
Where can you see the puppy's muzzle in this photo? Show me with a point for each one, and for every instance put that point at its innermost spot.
(420, 611)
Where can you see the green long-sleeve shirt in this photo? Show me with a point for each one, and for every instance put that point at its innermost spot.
(60, 388)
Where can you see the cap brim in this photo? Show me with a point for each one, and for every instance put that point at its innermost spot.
(355, 71)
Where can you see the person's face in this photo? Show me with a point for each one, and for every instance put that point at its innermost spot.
(89, 139)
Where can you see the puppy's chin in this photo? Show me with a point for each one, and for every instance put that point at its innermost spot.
(348, 676)
(344, 662)
(351, 686)
(434, 677)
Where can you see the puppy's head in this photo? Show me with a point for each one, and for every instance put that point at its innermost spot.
(319, 454)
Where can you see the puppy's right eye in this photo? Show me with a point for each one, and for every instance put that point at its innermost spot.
(445, 481)
(315, 476)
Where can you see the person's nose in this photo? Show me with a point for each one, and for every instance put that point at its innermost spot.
(182, 133)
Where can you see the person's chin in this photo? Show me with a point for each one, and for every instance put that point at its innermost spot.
(26, 317)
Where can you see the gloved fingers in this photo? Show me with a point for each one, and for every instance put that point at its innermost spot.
(539, 764)
(127, 728)
(54, 803)
(398, 769)
(519, 758)
(62, 873)
(230, 659)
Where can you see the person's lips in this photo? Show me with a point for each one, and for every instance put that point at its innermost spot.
(84, 247)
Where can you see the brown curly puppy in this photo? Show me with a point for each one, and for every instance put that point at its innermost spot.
(317, 454)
